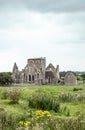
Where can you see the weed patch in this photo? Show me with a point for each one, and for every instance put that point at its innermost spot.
(44, 101)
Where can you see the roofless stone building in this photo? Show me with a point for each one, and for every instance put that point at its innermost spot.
(36, 72)
(70, 79)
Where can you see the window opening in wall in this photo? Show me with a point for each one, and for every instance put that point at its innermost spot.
(32, 77)
(29, 77)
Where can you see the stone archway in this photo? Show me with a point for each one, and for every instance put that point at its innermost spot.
(49, 75)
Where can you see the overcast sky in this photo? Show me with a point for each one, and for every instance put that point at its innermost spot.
(54, 29)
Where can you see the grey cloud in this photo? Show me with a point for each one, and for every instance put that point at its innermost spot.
(46, 5)
(56, 5)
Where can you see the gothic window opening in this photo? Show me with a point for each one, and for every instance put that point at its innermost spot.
(29, 77)
(32, 77)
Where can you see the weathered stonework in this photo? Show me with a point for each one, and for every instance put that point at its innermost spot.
(70, 79)
(52, 74)
(36, 72)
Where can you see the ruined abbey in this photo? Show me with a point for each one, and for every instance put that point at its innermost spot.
(36, 72)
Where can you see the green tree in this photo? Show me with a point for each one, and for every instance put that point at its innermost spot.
(6, 78)
(79, 78)
(83, 77)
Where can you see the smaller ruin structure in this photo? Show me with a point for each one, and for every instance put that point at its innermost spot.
(36, 72)
(70, 79)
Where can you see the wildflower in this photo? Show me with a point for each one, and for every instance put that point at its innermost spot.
(27, 123)
(40, 114)
(24, 124)
(21, 123)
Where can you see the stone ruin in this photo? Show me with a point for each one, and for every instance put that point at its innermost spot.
(70, 79)
(36, 72)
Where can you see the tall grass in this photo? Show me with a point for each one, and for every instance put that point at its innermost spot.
(66, 104)
(44, 101)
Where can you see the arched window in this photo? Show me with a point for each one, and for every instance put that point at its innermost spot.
(29, 77)
(33, 78)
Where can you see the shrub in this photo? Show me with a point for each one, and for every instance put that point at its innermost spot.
(4, 94)
(56, 123)
(2, 118)
(80, 97)
(43, 101)
(11, 121)
(8, 121)
(64, 110)
(72, 124)
(77, 89)
(66, 97)
(14, 95)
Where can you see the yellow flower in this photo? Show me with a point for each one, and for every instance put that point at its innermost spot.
(27, 123)
(47, 113)
(40, 114)
(21, 122)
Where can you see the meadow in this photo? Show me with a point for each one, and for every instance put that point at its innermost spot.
(47, 107)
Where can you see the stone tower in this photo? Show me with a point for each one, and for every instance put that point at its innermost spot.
(38, 65)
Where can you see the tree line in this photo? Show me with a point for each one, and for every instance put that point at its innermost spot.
(6, 77)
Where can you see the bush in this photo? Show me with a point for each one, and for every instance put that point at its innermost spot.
(77, 89)
(80, 97)
(56, 123)
(8, 121)
(11, 121)
(66, 97)
(14, 95)
(4, 94)
(43, 101)
(72, 123)
(64, 110)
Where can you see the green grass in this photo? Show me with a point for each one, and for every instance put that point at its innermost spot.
(74, 107)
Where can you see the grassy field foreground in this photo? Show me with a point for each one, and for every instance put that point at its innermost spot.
(69, 110)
